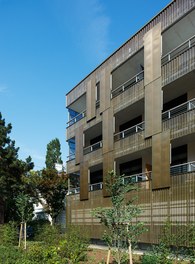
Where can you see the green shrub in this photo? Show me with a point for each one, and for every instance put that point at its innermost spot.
(9, 234)
(74, 245)
(10, 255)
(48, 234)
(37, 225)
(149, 259)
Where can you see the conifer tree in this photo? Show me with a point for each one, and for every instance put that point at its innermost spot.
(53, 154)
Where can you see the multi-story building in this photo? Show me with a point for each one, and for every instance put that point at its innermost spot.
(135, 114)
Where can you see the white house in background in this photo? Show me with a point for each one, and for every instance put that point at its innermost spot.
(39, 211)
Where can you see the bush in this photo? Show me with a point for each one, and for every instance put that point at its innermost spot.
(9, 234)
(74, 245)
(149, 259)
(10, 255)
(37, 225)
(48, 234)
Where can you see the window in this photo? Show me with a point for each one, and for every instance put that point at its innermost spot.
(98, 92)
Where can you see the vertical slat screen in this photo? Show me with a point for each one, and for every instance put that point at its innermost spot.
(91, 100)
(105, 89)
(152, 54)
(161, 160)
(152, 80)
(84, 181)
(153, 115)
(108, 165)
(108, 138)
(79, 145)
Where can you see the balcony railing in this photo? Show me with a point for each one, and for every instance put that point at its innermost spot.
(178, 50)
(140, 177)
(92, 187)
(71, 157)
(95, 186)
(183, 168)
(76, 118)
(187, 106)
(73, 191)
(126, 85)
(183, 108)
(92, 147)
(130, 131)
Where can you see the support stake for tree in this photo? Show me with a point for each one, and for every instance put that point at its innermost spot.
(130, 253)
(20, 235)
(25, 235)
(108, 256)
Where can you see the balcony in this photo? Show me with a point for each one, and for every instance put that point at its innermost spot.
(183, 64)
(178, 50)
(173, 112)
(141, 177)
(182, 168)
(130, 131)
(92, 187)
(71, 157)
(185, 107)
(128, 84)
(96, 186)
(92, 148)
(76, 118)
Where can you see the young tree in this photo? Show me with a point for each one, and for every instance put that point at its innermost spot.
(121, 230)
(25, 212)
(53, 187)
(53, 154)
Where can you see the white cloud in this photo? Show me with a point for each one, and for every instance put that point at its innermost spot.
(3, 88)
(93, 28)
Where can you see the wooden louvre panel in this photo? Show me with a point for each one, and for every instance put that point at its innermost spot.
(91, 99)
(153, 115)
(105, 89)
(84, 190)
(108, 129)
(152, 54)
(161, 160)
(79, 145)
(108, 165)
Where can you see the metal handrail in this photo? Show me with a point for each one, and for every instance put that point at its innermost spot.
(71, 157)
(190, 105)
(185, 107)
(92, 147)
(74, 191)
(168, 55)
(135, 129)
(96, 186)
(184, 167)
(139, 177)
(74, 119)
(138, 77)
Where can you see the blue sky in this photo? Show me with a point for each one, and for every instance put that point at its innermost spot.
(46, 48)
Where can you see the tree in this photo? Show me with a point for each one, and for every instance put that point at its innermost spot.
(53, 154)
(53, 187)
(121, 230)
(25, 212)
(12, 171)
